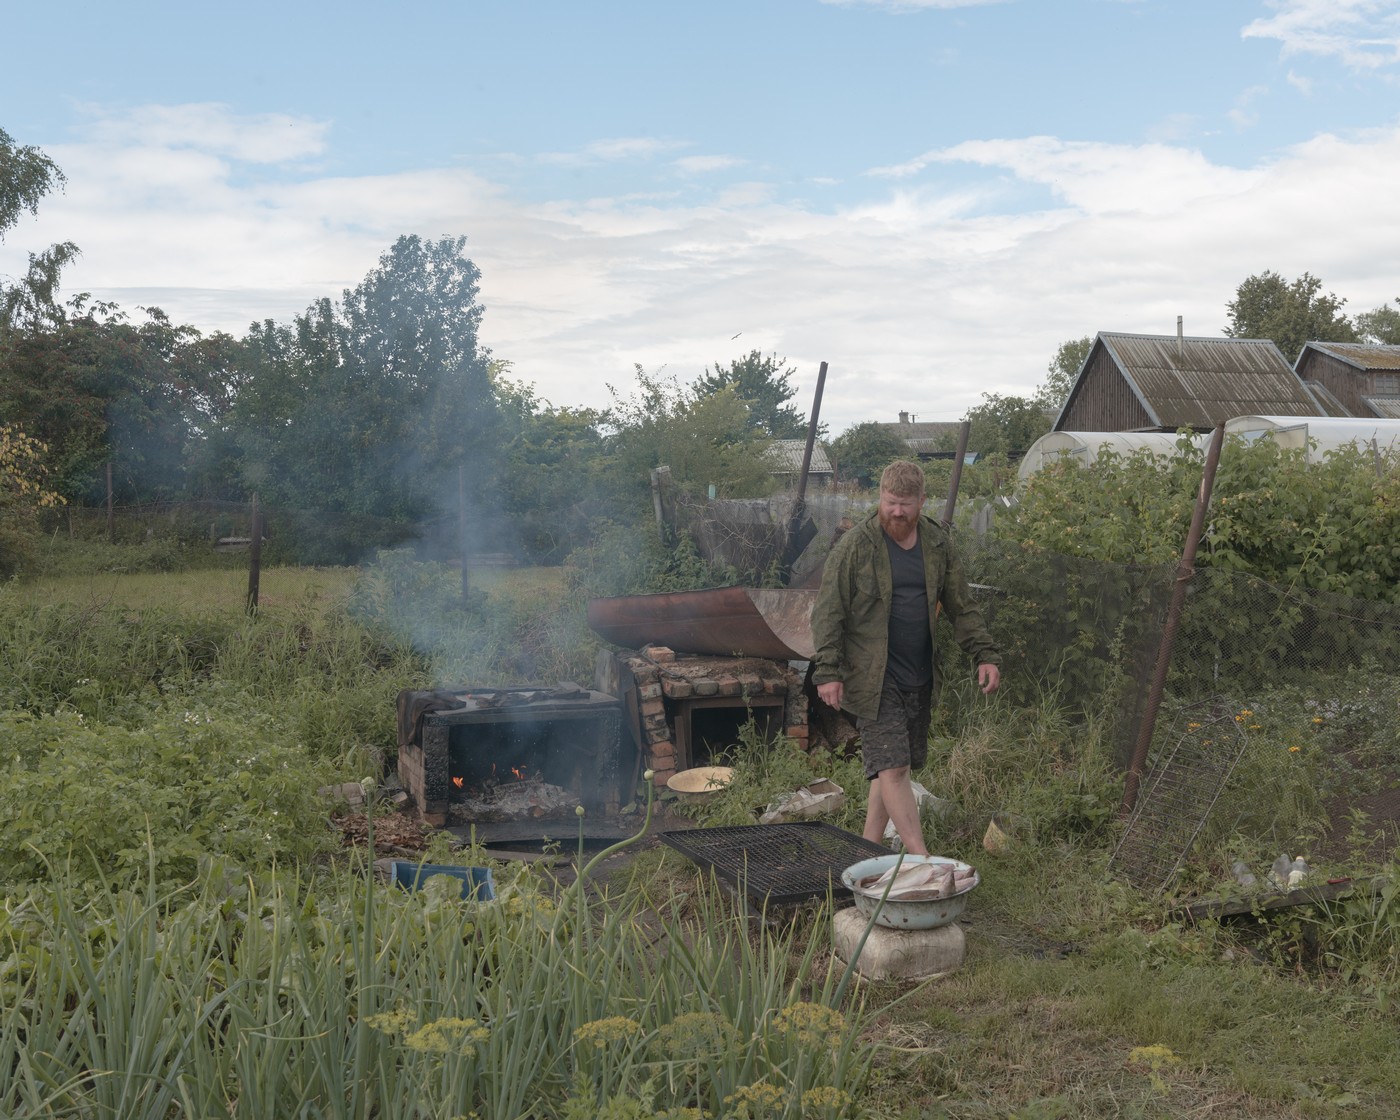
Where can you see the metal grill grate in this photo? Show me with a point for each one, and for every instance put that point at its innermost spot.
(1178, 794)
(777, 864)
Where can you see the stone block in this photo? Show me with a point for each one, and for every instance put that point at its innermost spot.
(897, 954)
(709, 688)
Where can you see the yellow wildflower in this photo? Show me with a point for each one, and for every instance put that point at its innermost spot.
(603, 1032)
(1294, 750)
(812, 1024)
(448, 1036)
(393, 1023)
(748, 1102)
(698, 1033)
(826, 1098)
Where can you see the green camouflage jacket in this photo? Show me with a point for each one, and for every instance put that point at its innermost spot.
(850, 620)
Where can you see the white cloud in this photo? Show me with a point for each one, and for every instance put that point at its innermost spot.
(1362, 34)
(209, 127)
(614, 151)
(699, 165)
(919, 298)
(1300, 82)
(1244, 115)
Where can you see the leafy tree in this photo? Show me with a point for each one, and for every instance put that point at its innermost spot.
(26, 176)
(1291, 314)
(763, 384)
(1005, 425)
(705, 438)
(97, 389)
(24, 491)
(1051, 395)
(1380, 326)
(863, 450)
(552, 463)
(373, 404)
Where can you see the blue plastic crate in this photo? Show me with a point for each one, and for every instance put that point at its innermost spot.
(476, 882)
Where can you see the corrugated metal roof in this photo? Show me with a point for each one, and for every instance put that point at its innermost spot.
(1327, 399)
(1358, 354)
(786, 457)
(926, 436)
(1387, 408)
(1201, 382)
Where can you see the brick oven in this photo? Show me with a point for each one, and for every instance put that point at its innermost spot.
(681, 709)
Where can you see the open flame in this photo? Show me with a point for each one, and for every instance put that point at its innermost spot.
(459, 782)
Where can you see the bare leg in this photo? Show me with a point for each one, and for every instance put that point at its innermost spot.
(892, 798)
(875, 815)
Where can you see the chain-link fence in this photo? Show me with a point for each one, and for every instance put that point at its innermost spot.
(1279, 727)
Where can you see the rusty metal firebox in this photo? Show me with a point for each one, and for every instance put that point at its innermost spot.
(567, 736)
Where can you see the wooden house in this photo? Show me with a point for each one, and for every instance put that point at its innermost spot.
(1162, 383)
(927, 439)
(785, 461)
(1352, 378)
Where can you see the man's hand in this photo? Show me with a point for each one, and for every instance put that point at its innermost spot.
(831, 693)
(988, 677)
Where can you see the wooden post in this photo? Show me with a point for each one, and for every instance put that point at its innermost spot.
(111, 519)
(462, 530)
(255, 557)
(664, 503)
(953, 483)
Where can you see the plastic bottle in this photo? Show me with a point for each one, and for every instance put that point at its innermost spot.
(1243, 875)
(1278, 873)
(1298, 870)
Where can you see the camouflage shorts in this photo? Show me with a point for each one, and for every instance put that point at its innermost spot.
(898, 735)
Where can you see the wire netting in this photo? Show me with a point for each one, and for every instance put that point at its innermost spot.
(1279, 725)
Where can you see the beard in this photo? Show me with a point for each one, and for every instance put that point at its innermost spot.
(896, 526)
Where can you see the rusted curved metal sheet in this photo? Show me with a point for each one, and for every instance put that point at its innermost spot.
(721, 621)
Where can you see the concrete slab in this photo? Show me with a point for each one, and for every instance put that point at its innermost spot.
(897, 954)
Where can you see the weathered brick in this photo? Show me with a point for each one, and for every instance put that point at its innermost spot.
(677, 689)
(654, 723)
(649, 691)
(797, 731)
(663, 754)
(659, 653)
(729, 686)
(660, 778)
(707, 688)
(653, 707)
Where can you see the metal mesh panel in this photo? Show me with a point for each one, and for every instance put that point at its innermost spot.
(778, 864)
(1200, 751)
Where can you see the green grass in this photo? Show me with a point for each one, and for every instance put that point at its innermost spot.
(1079, 997)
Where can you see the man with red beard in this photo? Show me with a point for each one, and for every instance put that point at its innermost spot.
(873, 623)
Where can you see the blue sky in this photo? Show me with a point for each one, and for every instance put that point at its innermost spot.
(929, 196)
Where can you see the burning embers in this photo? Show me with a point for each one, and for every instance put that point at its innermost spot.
(510, 793)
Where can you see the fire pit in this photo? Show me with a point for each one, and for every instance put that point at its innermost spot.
(528, 752)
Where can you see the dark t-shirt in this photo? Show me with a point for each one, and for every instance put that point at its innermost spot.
(910, 663)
